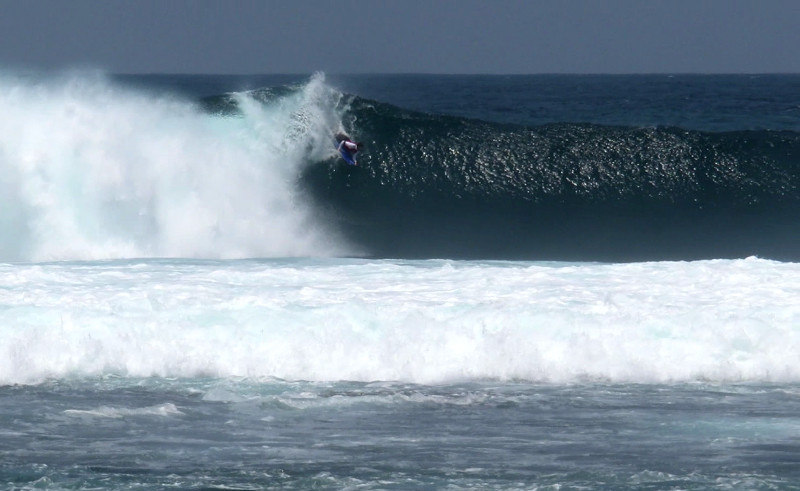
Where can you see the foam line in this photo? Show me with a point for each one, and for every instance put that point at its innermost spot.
(422, 322)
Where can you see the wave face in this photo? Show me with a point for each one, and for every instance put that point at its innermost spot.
(89, 170)
(441, 186)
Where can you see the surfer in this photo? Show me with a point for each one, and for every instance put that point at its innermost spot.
(348, 148)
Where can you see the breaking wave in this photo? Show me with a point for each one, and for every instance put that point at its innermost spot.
(89, 170)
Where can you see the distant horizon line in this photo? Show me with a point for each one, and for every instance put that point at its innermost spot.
(478, 74)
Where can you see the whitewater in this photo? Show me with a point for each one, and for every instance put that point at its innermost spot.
(421, 322)
(91, 170)
(196, 293)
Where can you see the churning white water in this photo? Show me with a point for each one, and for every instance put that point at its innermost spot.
(89, 170)
(424, 321)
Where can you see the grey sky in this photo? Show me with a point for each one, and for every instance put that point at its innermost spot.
(438, 36)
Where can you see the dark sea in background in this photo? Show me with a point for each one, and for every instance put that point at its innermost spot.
(528, 282)
(695, 102)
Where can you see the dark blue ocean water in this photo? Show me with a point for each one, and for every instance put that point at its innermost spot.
(608, 168)
(424, 364)
(700, 102)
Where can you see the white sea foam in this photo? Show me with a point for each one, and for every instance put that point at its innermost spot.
(166, 409)
(426, 322)
(89, 170)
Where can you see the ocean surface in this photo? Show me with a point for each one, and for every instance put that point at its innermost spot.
(529, 282)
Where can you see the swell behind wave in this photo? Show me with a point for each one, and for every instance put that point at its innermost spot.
(441, 186)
